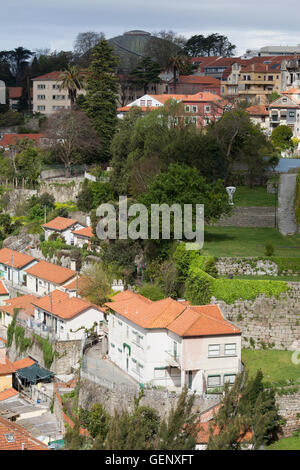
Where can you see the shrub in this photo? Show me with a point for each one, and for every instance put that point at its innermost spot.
(269, 250)
(199, 286)
(231, 290)
(151, 291)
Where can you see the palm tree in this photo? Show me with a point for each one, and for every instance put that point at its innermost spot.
(70, 80)
(179, 64)
(19, 60)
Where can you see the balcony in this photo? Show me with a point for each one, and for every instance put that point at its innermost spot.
(173, 360)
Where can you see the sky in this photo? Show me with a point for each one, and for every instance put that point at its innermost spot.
(36, 24)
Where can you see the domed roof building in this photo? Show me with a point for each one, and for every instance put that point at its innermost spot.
(130, 47)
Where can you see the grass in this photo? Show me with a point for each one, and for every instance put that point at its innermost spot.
(286, 443)
(253, 197)
(276, 365)
(266, 278)
(244, 241)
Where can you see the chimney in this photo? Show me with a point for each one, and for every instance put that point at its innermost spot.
(88, 220)
(73, 264)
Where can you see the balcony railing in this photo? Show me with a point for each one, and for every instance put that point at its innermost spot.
(173, 359)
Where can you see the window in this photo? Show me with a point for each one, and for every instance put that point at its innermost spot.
(292, 114)
(41, 97)
(41, 108)
(207, 109)
(112, 345)
(149, 103)
(142, 103)
(230, 349)
(187, 108)
(213, 350)
(120, 323)
(57, 108)
(58, 97)
(229, 378)
(159, 373)
(41, 87)
(55, 87)
(194, 109)
(213, 381)
(270, 77)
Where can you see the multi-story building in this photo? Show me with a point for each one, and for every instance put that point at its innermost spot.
(259, 114)
(286, 111)
(191, 84)
(258, 81)
(48, 96)
(200, 108)
(170, 343)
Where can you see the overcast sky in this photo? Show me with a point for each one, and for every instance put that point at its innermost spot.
(36, 24)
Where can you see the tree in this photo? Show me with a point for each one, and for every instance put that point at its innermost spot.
(281, 137)
(180, 65)
(246, 407)
(146, 72)
(101, 94)
(96, 284)
(163, 45)
(19, 61)
(83, 45)
(72, 136)
(184, 185)
(213, 44)
(72, 82)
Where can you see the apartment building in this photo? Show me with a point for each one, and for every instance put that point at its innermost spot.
(48, 96)
(191, 84)
(199, 109)
(286, 111)
(172, 344)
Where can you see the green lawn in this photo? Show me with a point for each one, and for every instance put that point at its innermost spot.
(244, 241)
(287, 443)
(276, 365)
(253, 197)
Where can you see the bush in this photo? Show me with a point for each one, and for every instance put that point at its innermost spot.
(269, 250)
(199, 286)
(151, 291)
(231, 290)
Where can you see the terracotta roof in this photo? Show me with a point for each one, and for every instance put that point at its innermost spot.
(15, 92)
(197, 97)
(291, 91)
(23, 302)
(178, 317)
(22, 363)
(8, 393)
(127, 294)
(6, 366)
(11, 139)
(14, 437)
(3, 290)
(64, 306)
(86, 232)
(200, 79)
(203, 433)
(19, 259)
(51, 272)
(49, 76)
(74, 284)
(258, 110)
(60, 223)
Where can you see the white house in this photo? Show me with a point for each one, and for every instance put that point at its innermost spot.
(64, 227)
(4, 294)
(67, 316)
(25, 309)
(45, 277)
(13, 265)
(172, 344)
(83, 237)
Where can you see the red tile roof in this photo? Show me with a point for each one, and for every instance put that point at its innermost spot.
(6, 366)
(3, 290)
(22, 363)
(7, 256)
(23, 302)
(51, 272)
(258, 110)
(86, 232)
(64, 306)
(60, 223)
(199, 79)
(21, 439)
(8, 393)
(204, 433)
(49, 76)
(15, 92)
(11, 139)
(182, 319)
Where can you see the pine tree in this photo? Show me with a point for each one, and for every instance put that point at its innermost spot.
(100, 102)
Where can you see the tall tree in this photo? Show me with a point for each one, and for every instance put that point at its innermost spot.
(83, 45)
(164, 45)
(179, 65)
(101, 98)
(71, 81)
(71, 136)
(145, 73)
(213, 44)
(19, 58)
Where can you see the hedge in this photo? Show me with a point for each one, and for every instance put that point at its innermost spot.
(200, 287)
(231, 290)
(297, 198)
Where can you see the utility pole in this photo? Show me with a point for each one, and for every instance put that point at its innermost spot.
(12, 267)
(45, 214)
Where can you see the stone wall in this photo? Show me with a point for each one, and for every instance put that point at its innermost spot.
(119, 399)
(249, 217)
(267, 320)
(69, 353)
(289, 408)
(246, 267)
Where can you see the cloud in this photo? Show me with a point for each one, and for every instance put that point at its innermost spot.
(55, 24)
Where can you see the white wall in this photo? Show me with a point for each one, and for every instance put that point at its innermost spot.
(66, 234)
(14, 274)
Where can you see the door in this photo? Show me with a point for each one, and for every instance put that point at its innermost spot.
(175, 350)
(190, 379)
